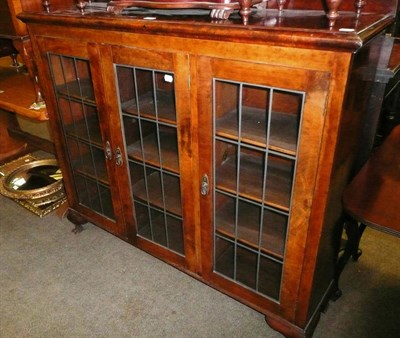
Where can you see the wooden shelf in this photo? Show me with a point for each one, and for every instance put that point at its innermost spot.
(278, 185)
(283, 129)
(18, 92)
(158, 232)
(172, 192)
(169, 150)
(81, 128)
(91, 197)
(273, 237)
(270, 271)
(81, 91)
(85, 166)
(165, 106)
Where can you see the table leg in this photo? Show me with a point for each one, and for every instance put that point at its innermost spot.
(9, 147)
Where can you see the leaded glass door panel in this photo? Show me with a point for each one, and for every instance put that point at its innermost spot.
(254, 147)
(255, 195)
(89, 157)
(151, 111)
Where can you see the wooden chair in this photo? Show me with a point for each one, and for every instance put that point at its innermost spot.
(372, 199)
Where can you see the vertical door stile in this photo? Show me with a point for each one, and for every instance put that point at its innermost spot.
(186, 125)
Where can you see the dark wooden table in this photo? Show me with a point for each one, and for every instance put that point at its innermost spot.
(373, 197)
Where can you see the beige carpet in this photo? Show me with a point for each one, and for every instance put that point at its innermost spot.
(56, 284)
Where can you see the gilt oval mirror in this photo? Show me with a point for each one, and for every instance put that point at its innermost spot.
(33, 180)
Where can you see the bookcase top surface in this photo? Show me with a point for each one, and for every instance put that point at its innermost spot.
(290, 27)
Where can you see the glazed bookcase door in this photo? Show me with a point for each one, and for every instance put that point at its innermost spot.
(256, 170)
(151, 117)
(88, 151)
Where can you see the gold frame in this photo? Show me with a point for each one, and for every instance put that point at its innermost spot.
(33, 193)
(43, 209)
(41, 201)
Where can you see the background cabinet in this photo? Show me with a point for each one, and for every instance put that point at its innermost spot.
(224, 156)
(14, 31)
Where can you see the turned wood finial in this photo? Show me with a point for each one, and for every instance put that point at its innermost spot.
(281, 3)
(333, 6)
(46, 5)
(359, 4)
(81, 6)
(245, 10)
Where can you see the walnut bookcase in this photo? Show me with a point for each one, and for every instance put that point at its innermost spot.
(219, 147)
